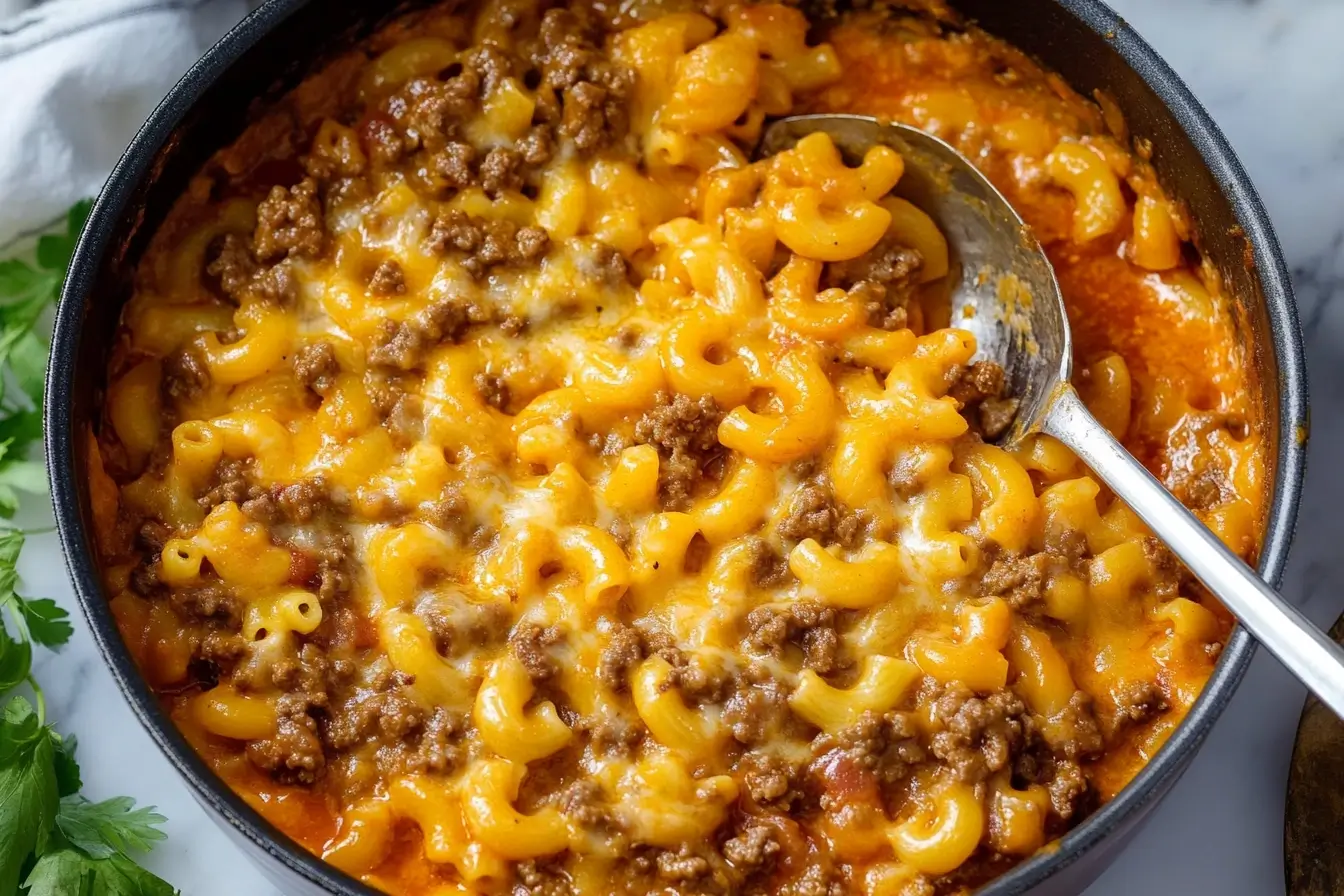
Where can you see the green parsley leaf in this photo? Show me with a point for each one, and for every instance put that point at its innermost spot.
(20, 283)
(67, 769)
(21, 429)
(54, 250)
(112, 826)
(16, 661)
(68, 872)
(11, 540)
(28, 362)
(28, 804)
(20, 728)
(48, 624)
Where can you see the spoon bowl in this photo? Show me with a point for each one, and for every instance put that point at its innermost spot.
(1005, 293)
(1003, 290)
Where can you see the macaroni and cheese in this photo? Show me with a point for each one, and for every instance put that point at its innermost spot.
(511, 486)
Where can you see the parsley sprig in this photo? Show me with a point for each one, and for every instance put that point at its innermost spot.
(53, 841)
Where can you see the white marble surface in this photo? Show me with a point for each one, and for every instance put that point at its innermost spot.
(1272, 76)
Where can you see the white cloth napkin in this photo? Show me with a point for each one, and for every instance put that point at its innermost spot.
(77, 78)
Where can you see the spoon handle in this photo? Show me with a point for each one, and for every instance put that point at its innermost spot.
(1313, 658)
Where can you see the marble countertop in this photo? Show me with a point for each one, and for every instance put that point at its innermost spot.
(1270, 73)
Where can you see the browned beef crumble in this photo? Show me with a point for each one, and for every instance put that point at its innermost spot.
(756, 711)
(185, 375)
(976, 735)
(768, 568)
(814, 513)
(980, 390)
(1020, 580)
(811, 626)
(387, 279)
(494, 390)
(456, 164)
(686, 433)
(297, 502)
(294, 754)
(501, 171)
(582, 92)
(289, 222)
(886, 746)
(404, 345)
(753, 848)
(209, 601)
(229, 483)
(1135, 703)
(487, 243)
(619, 657)
(316, 366)
(772, 781)
(233, 265)
(530, 644)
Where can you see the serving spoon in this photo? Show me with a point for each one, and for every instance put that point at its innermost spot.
(1004, 291)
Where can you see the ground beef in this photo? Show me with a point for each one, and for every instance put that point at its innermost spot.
(487, 243)
(581, 802)
(884, 279)
(456, 164)
(682, 865)
(405, 344)
(619, 657)
(611, 733)
(1167, 570)
(885, 745)
(811, 626)
(1020, 580)
(229, 483)
(815, 880)
(537, 146)
(996, 415)
(449, 512)
(315, 366)
(1067, 788)
(333, 566)
(429, 113)
(535, 879)
(754, 712)
(233, 265)
(185, 375)
(387, 279)
(152, 536)
(814, 513)
(501, 171)
(289, 222)
(771, 780)
(1080, 736)
(294, 754)
(530, 643)
(493, 389)
(686, 433)
(979, 389)
(768, 568)
(435, 750)
(1136, 702)
(981, 380)
(582, 91)
(145, 580)
(976, 735)
(297, 502)
(753, 848)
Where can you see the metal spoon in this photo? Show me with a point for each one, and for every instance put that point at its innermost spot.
(1004, 291)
